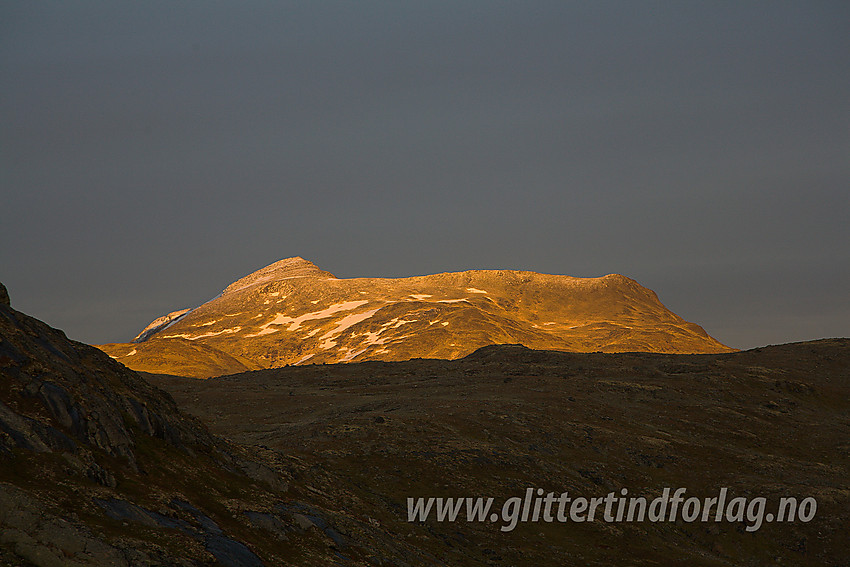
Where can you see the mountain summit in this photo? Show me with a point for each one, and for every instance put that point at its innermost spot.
(292, 312)
(285, 269)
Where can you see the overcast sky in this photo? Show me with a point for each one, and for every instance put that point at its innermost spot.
(153, 152)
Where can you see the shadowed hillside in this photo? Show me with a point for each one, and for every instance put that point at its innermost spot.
(771, 422)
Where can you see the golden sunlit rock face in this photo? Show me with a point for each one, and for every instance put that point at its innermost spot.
(291, 312)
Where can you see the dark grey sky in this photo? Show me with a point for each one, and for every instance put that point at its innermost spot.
(153, 152)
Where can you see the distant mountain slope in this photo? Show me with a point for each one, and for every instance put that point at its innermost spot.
(292, 312)
(179, 356)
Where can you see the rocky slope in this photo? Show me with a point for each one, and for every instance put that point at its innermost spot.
(292, 312)
(98, 467)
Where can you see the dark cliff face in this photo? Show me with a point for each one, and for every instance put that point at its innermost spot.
(81, 436)
(61, 395)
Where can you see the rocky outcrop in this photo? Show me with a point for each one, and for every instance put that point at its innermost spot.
(33, 534)
(60, 395)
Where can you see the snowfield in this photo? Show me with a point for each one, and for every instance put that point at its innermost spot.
(295, 322)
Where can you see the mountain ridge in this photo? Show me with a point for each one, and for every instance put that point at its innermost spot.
(293, 312)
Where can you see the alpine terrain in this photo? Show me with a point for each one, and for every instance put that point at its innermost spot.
(292, 312)
(315, 465)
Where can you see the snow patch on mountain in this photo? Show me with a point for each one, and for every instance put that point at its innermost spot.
(160, 324)
(304, 358)
(131, 353)
(343, 324)
(374, 337)
(295, 322)
(205, 335)
(352, 354)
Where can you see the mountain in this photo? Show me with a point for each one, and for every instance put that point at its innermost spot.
(292, 312)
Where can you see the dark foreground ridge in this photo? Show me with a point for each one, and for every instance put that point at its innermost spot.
(98, 467)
